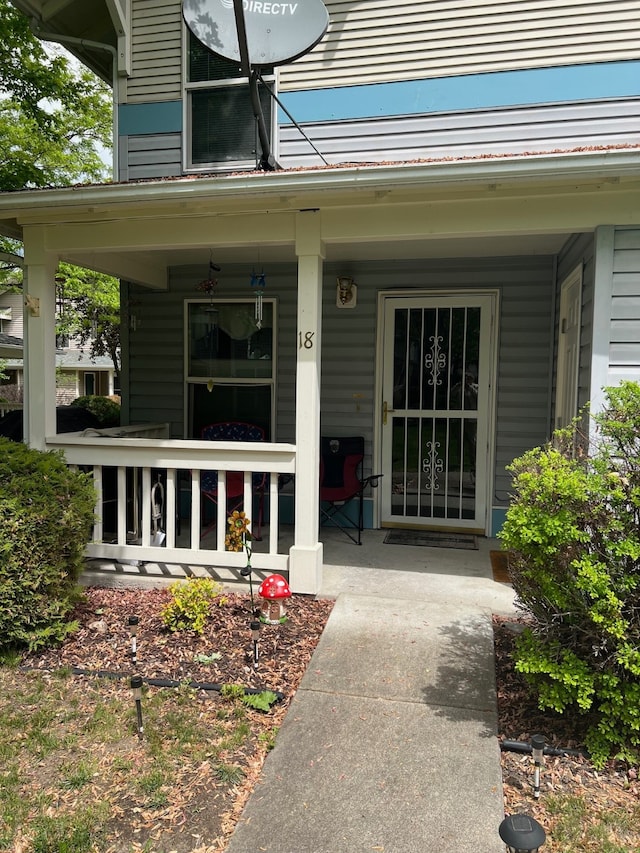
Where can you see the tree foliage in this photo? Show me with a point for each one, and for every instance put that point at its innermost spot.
(54, 117)
(573, 530)
(90, 311)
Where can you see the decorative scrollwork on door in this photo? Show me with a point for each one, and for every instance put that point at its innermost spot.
(435, 361)
(432, 465)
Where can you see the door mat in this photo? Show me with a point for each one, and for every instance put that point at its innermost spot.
(432, 540)
(500, 566)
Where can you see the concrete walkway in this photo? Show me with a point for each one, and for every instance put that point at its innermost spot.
(390, 742)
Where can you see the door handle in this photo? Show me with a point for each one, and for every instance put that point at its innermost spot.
(385, 412)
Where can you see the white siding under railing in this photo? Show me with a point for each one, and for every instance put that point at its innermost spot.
(137, 462)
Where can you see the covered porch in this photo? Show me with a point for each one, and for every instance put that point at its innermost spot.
(496, 228)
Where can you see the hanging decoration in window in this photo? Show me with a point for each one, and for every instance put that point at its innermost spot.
(210, 339)
(259, 282)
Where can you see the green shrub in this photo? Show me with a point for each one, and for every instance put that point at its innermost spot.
(190, 604)
(46, 515)
(573, 529)
(107, 411)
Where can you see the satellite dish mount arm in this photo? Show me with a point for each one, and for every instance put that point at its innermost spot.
(267, 160)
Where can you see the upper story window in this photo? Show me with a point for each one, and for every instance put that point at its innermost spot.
(222, 128)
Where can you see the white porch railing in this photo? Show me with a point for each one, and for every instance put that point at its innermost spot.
(125, 470)
(5, 408)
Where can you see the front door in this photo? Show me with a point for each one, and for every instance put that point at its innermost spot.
(437, 376)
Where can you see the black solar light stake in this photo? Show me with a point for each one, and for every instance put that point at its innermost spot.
(133, 631)
(537, 751)
(522, 834)
(255, 636)
(136, 687)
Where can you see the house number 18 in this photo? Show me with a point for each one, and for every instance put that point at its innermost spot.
(305, 340)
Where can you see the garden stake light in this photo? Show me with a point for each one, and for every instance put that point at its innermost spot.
(237, 539)
(133, 630)
(136, 687)
(522, 834)
(537, 751)
(255, 635)
(246, 573)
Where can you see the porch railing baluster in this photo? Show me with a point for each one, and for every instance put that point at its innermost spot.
(127, 467)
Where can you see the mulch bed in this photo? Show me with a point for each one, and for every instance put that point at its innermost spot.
(103, 641)
(103, 644)
(616, 786)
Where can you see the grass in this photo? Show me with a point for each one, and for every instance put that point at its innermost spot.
(74, 776)
(581, 825)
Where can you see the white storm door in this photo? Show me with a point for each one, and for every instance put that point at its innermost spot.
(568, 364)
(437, 371)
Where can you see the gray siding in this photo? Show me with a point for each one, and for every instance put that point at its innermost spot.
(150, 156)
(624, 345)
(376, 41)
(155, 350)
(469, 134)
(156, 51)
(514, 130)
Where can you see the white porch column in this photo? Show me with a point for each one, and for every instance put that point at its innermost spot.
(305, 557)
(601, 329)
(39, 339)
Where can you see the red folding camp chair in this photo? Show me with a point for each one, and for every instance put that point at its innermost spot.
(342, 486)
(233, 431)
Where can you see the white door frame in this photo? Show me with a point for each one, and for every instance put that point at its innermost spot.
(492, 353)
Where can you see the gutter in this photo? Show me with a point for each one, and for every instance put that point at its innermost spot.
(609, 165)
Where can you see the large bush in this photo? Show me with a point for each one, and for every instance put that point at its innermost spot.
(106, 410)
(573, 528)
(46, 514)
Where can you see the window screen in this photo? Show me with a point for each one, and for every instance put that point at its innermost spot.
(223, 127)
(223, 124)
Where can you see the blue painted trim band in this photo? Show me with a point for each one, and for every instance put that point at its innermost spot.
(467, 92)
(498, 516)
(158, 117)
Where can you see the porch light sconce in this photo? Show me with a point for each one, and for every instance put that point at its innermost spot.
(346, 292)
(522, 834)
(32, 304)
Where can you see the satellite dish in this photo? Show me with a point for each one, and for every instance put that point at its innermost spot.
(277, 32)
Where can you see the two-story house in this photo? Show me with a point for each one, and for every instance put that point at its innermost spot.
(77, 372)
(446, 260)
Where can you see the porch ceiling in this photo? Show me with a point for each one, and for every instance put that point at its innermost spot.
(465, 247)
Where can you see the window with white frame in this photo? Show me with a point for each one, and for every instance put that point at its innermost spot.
(222, 127)
(230, 367)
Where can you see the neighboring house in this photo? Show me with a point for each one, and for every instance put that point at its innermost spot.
(77, 373)
(456, 275)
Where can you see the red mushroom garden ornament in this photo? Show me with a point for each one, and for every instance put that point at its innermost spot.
(273, 591)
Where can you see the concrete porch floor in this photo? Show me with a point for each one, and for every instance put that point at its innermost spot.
(399, 571)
